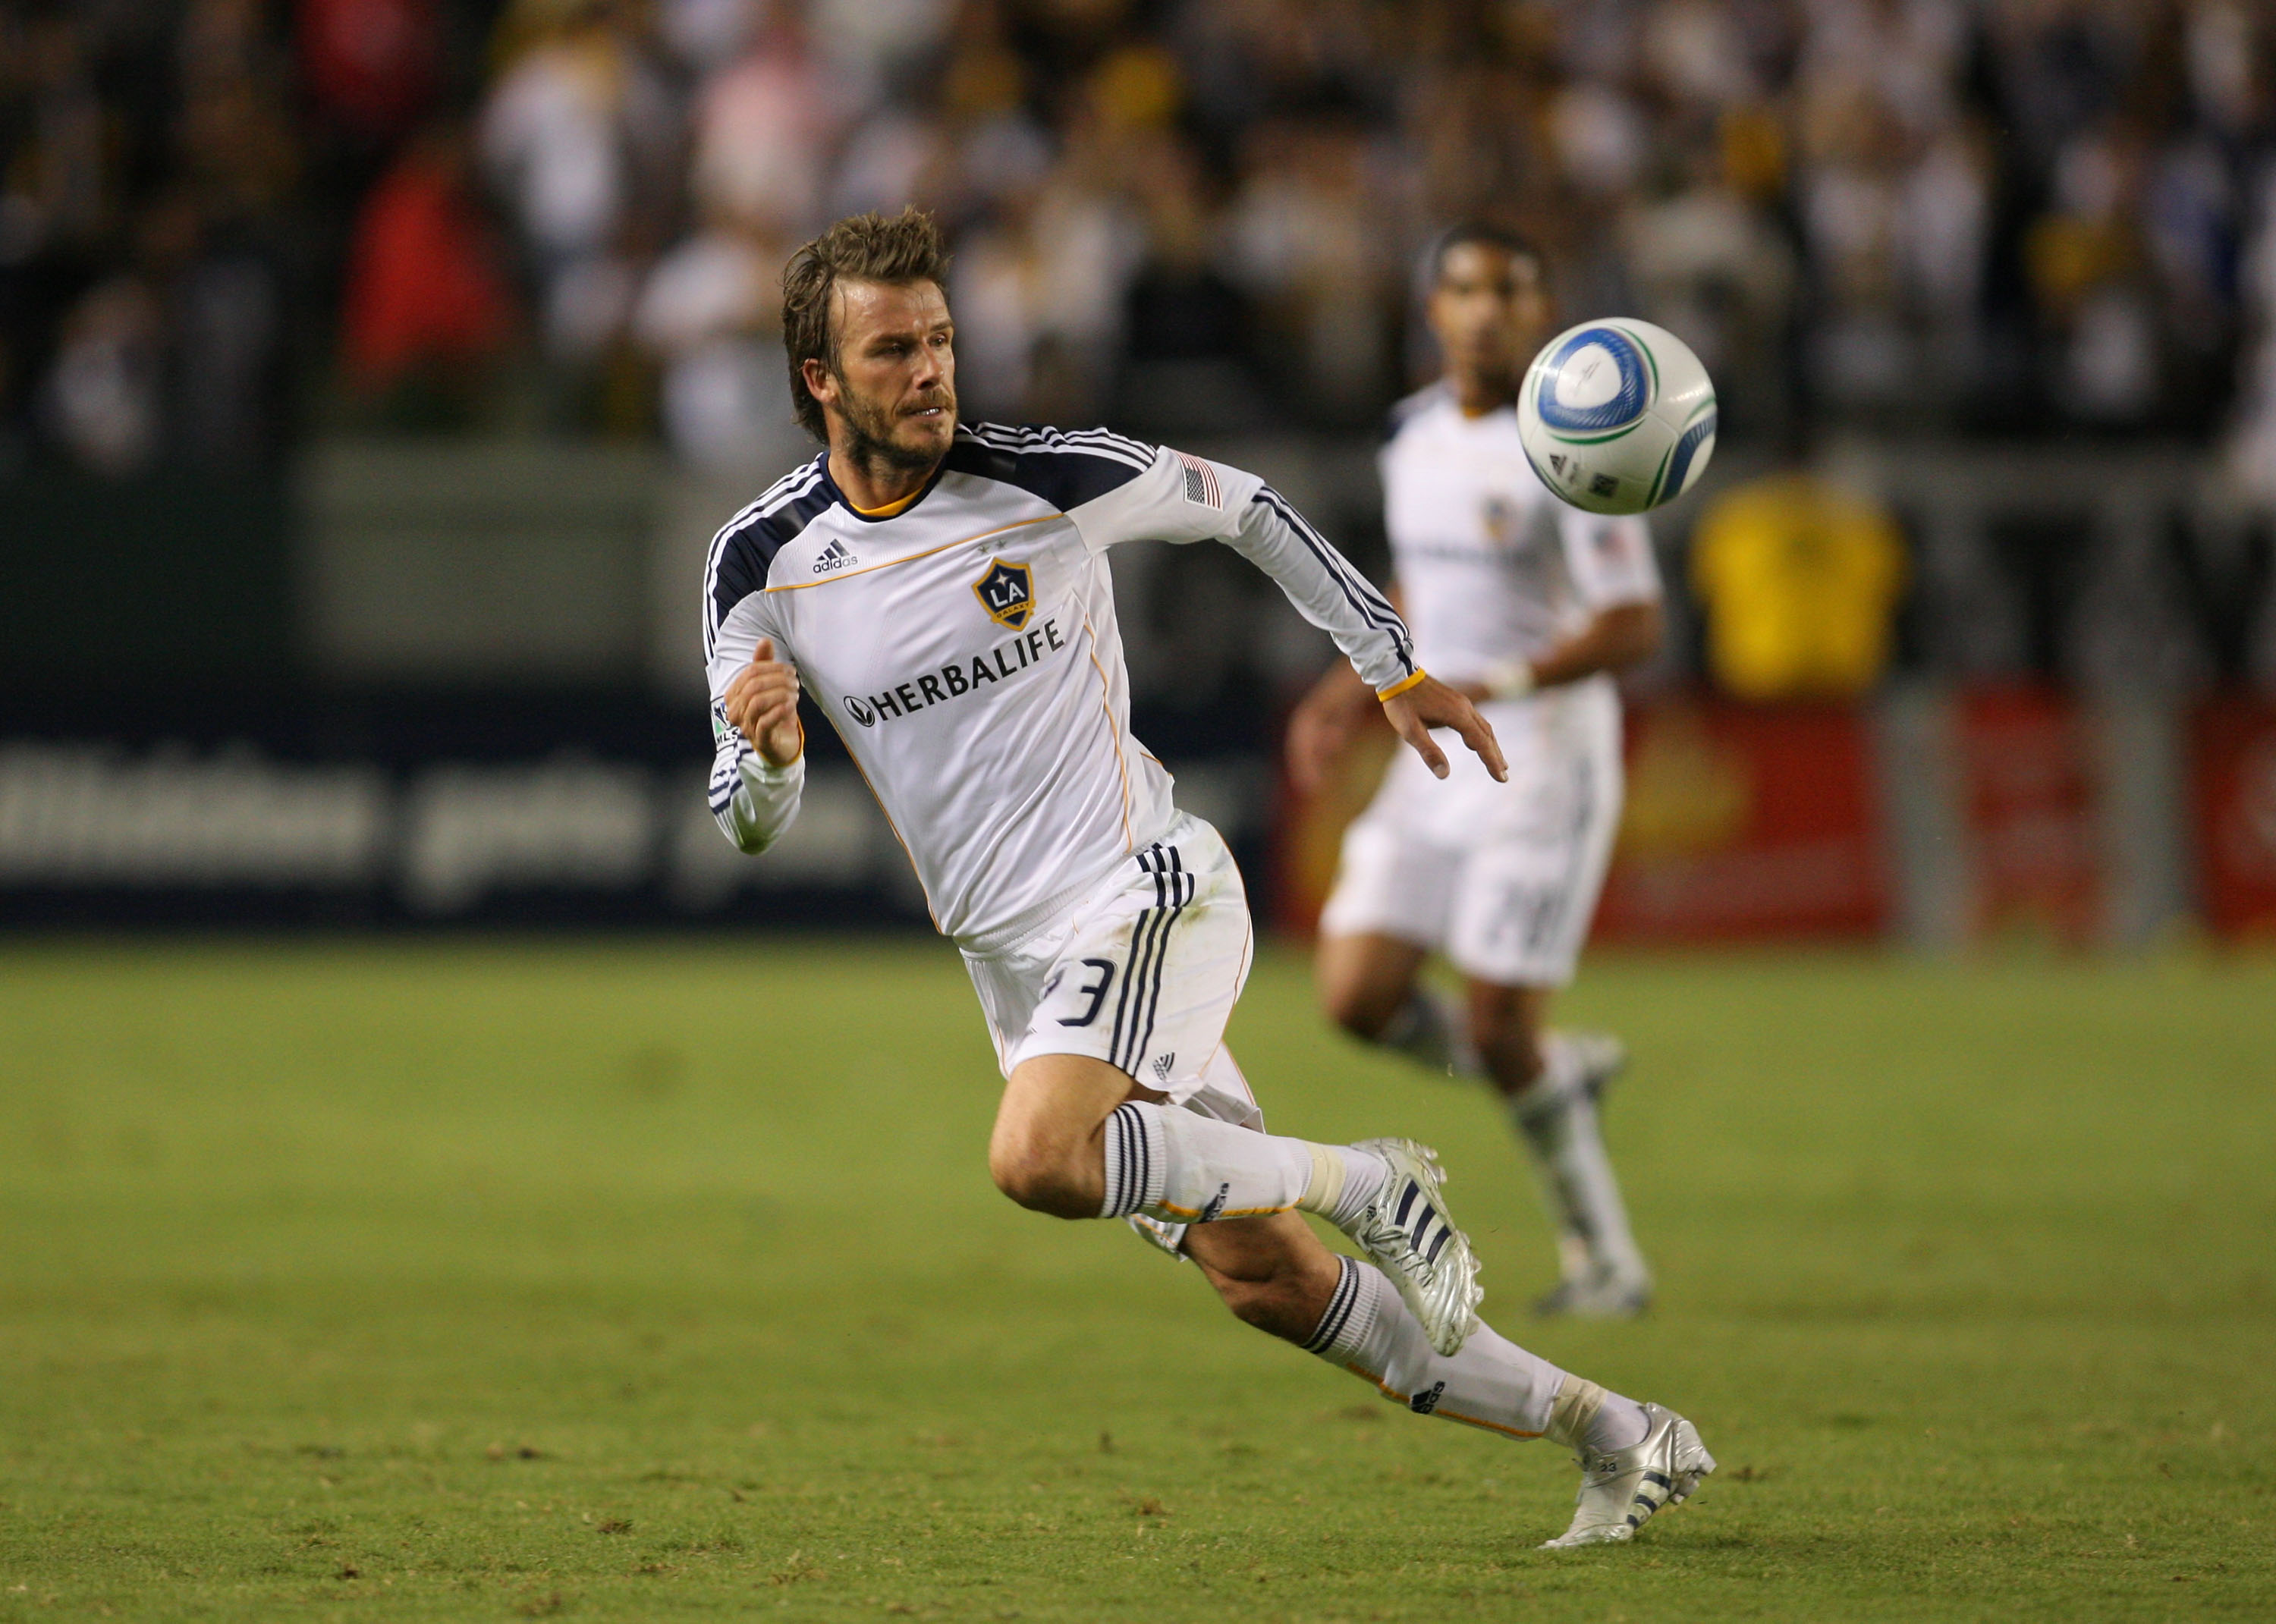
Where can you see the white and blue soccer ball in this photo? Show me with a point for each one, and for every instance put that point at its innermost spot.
(1616, 416)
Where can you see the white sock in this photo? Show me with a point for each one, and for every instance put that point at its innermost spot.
(1185, 1168)
(1430, 1030)
(1492, 1383)
(1558, 1122)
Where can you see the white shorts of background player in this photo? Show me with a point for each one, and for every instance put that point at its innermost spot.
(1501, 879)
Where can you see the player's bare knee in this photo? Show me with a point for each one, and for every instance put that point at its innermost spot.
(1041, 1186)
(1359, 1010)
(1041, 1177)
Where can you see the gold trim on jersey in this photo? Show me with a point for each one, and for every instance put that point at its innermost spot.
(892, 509)
(1113, 734)
(800, 586)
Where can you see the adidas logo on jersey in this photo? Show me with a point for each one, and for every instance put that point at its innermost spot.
(837, 556)
(1422, 1403)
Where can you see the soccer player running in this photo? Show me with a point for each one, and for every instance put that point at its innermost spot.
(1528, 606)
(941, 590)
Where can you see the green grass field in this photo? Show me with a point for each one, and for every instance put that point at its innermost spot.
(653, 1281)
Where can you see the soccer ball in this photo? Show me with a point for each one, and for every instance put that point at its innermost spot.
(1616, 416)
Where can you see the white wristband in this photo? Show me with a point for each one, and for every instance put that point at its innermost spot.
(1509, 679)
(759, 770)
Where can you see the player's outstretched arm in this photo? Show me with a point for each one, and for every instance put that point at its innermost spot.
(758, 767)
(1176, 498)
(1336, 597)
(1430, 704)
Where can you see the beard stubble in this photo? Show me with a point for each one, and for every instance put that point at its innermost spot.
(870, 433)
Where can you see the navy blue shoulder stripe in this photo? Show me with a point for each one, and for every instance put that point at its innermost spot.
(745, 548)
(1358, 591)
(1063, 470)
(1042, 440)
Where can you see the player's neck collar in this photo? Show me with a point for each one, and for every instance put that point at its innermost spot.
(1463, 409)
(891, 509)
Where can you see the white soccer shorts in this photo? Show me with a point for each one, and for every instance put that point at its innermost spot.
(1143, 974)
(1501, 879)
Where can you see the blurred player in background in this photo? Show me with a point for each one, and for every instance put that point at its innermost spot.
(943, 593)
(1528, 606)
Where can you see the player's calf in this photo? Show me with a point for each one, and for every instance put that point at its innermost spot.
(1365, 983)
(1273, 1272)
(1406, 1016)
(1505, 1025)
(1049, 1154)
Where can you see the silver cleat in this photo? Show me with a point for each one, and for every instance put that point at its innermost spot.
(1619, 1492)
(1407, 1233)
(1596, 1295)
(1587, 1063)
(1599, 1058)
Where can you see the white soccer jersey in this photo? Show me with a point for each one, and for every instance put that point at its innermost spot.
(1502, 878)
(966, 649)
(1491, 566)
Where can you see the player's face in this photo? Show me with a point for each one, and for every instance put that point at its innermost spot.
(1489, 312)
(894, 382)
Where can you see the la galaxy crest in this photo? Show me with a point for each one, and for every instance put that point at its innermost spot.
(1007, 592)
(1500, 516)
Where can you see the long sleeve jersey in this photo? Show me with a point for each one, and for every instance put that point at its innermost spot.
(966, 649)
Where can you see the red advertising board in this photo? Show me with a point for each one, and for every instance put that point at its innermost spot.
(1740, 823)
(1745, 822)
(2234, 751)
(2028, 796)
(1762, 822)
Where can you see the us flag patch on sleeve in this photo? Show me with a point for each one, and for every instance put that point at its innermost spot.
(1201, 483)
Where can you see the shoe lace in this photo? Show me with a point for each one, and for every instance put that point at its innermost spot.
(1381, 1235)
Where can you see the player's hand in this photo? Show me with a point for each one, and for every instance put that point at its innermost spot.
(1431, 703)
(762, 702)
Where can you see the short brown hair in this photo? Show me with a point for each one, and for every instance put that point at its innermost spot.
(862, 248)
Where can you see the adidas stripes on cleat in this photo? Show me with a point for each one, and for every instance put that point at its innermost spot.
(1621, 1490)
(1406, 1233)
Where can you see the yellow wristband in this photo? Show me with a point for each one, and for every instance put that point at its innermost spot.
(1397, 688)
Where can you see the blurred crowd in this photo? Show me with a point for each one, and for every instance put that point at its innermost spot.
(225, 222)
